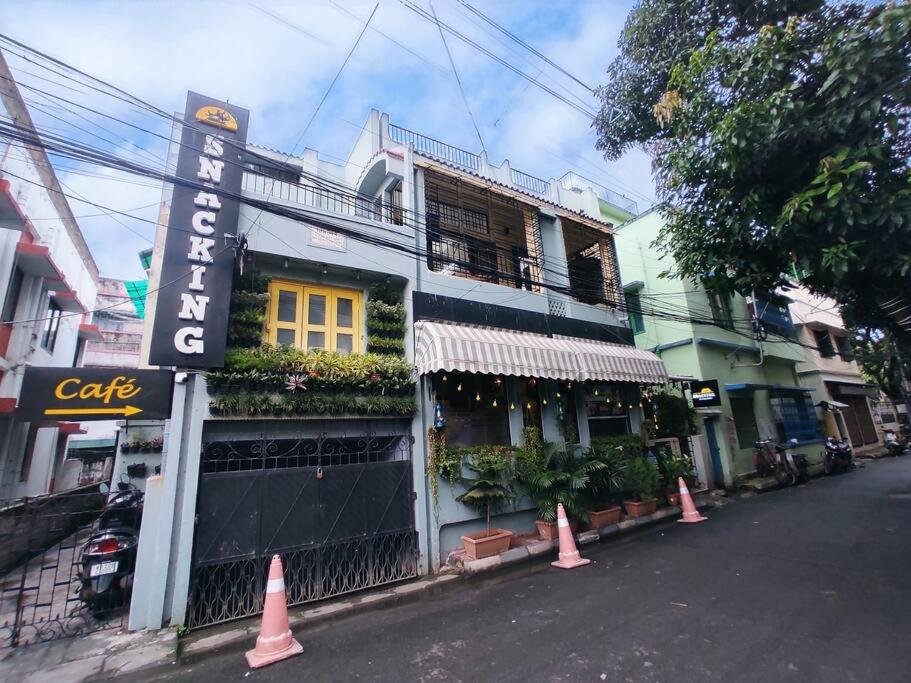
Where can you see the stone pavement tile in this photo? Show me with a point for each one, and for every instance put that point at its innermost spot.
(68, 672)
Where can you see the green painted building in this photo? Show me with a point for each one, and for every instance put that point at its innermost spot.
(758, 383)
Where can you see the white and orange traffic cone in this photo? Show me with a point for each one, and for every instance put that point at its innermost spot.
(690, 513)
(275, 641)
(569, 556)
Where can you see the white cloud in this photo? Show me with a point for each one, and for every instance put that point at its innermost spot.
(233, 51)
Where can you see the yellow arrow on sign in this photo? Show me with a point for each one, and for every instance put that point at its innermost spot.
(125, 411)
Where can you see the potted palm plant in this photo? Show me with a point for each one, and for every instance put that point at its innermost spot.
(566, 479)
(486, 492)
(641, 480)
(674, 468)
(605, 484)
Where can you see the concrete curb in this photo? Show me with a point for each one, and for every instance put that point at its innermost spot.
(245, 631)
(528, 552)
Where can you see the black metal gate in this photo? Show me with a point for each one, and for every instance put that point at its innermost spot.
(338, 509)
(41, 540)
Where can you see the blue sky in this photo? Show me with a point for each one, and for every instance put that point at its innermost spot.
(279, 66)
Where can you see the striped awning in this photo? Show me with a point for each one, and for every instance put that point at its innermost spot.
(450, 347)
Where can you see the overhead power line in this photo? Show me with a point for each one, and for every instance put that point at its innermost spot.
(589, 114)
(512, 36)
(455, 72)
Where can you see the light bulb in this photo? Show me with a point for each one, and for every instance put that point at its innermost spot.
(445, 378)
(558, 395)
(494, 404)
(596, 393)
(544, 401)
(630, 406)
(459, 388)
(477, 397)
(529, 405)
(512, 406)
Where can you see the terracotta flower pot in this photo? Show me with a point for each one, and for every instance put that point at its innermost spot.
(548, 530)
(606, 517)
(486, 543)
(639, 509)
(673, 498)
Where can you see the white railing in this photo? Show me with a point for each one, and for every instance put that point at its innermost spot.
(573, 181)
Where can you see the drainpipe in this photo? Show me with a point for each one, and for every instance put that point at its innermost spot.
(759, 341)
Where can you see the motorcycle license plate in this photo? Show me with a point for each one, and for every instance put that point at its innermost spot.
(103, 568)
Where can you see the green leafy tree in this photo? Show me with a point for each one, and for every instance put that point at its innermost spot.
(879, 360)
(779, 136)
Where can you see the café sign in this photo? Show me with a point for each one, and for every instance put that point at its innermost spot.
(197, 265)
(84, 394)
(705, 394)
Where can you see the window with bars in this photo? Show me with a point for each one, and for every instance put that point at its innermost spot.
(720, 306)
(455, 218)
(51, 326)
(314, 317)
(634, 311)
(824, 343)
(845, 350)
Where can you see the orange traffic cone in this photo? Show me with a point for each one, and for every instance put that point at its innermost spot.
(275, 641)
(690, 513)
(569, 556)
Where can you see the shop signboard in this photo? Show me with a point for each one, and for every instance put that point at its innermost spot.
(85, 394)
(705, 394)
(197, 265)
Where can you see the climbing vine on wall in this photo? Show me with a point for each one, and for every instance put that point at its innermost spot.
(386, 321)
(247, 314)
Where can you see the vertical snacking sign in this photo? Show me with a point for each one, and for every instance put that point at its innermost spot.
(194, 288)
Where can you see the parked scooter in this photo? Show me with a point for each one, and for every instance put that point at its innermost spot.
(837, 456)
(896, 444)
(108, 558)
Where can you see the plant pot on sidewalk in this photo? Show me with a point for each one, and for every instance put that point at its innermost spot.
(480, 544)
(548, 530)
(606, 517)
(635, 508)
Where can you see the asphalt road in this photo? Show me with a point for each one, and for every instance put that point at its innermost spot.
(804, 584)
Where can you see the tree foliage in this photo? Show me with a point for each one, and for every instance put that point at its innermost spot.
(878, 358)
(779, 135)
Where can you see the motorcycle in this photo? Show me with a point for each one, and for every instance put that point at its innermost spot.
(895, 443)
(837, 456)
(108, 557)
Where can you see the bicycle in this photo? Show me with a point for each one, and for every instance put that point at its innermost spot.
(774, 459)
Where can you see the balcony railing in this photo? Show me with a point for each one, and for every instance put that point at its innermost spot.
(573, 181)
(337, 202)
(530, 182)
(434, 148)
(308, 195)
(480, 260)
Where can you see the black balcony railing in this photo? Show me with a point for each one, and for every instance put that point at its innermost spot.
(530, 182)
(434, 148)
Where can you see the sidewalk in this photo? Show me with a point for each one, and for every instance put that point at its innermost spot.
(96, 656)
